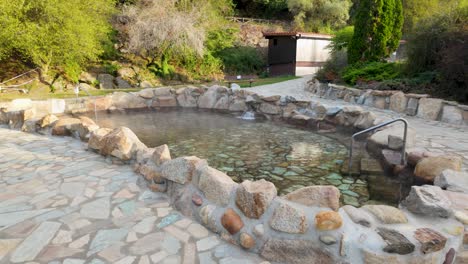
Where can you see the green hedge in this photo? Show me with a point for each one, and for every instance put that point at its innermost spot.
(373, 71)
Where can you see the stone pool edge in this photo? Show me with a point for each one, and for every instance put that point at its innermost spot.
(251, 214)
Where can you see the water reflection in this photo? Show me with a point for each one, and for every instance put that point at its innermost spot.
(290, 158)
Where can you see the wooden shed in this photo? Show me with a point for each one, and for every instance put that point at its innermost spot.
(296, 53)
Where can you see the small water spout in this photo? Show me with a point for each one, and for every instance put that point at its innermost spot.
(77, 91)
(248, 115)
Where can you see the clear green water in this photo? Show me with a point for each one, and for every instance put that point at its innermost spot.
(289, 157)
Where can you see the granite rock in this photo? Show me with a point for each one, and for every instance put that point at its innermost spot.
(216, 186)
(181, 170)
(429, 201)
(289, 219)
(253, 198)
(321, 196)
(429, 168)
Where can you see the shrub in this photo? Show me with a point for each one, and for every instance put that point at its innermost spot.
(242, 60)
(373, 71)
(439, 45)
(333, 68)
(111, 68)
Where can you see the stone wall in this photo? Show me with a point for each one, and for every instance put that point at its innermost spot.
(306, 226)
(420, 105)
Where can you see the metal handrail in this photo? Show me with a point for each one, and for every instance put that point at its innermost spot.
(403, 150)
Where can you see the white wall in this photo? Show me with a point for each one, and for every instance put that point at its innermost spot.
(312, 50)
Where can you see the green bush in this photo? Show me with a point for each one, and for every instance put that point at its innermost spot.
(373, 71)
(439, 45)
(111, 68)
(242, 60)
(333, 68)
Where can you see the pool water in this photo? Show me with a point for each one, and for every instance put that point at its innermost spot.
(289, 157)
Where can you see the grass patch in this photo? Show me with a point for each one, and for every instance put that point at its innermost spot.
(59, 95)
(263, 81)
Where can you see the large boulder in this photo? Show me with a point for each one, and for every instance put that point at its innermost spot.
(271, 109)
(429, 201)
(182, 170)
(211, 97)
(321, 196)
(106, 81)
(96, 137)
(31, 125)
(121, 143)
(429, 108)
(165, 101)
(398, 102)
(122, 83)
(15, 118)
(216, 185)
(161, 154)
(451, 180)
(84, 128)
(365, 120)
(452, 114)
(123, 100)
(253, 198)
(147, 93)
(48, 120)
(238, 105)
(63, 127)
(348, 115)
(289, 219)
(429, 168)
(188, 97)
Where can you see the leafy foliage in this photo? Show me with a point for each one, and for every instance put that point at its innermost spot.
(242, 60)
(439, 45)
(373, 71)
(58, 35)
(417, 10)
(341, 39)
(319, 15)
(263, 8)
(377, 31)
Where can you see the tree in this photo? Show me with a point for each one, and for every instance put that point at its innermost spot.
(319, 15)
(58, 35)
(417, 10)
(377, 30)
(165, 30)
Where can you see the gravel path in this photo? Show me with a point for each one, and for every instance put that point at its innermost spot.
(434, 136)
(62, 204)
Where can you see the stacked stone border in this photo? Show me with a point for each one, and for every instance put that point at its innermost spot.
(306, 226)
(421, 105)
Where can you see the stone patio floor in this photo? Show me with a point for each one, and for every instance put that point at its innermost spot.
(62, 204)
(434, 136)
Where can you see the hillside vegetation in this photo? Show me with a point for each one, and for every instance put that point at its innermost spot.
(149, 42)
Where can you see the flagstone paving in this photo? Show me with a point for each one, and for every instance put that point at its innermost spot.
(434, 136)
(62, 204)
